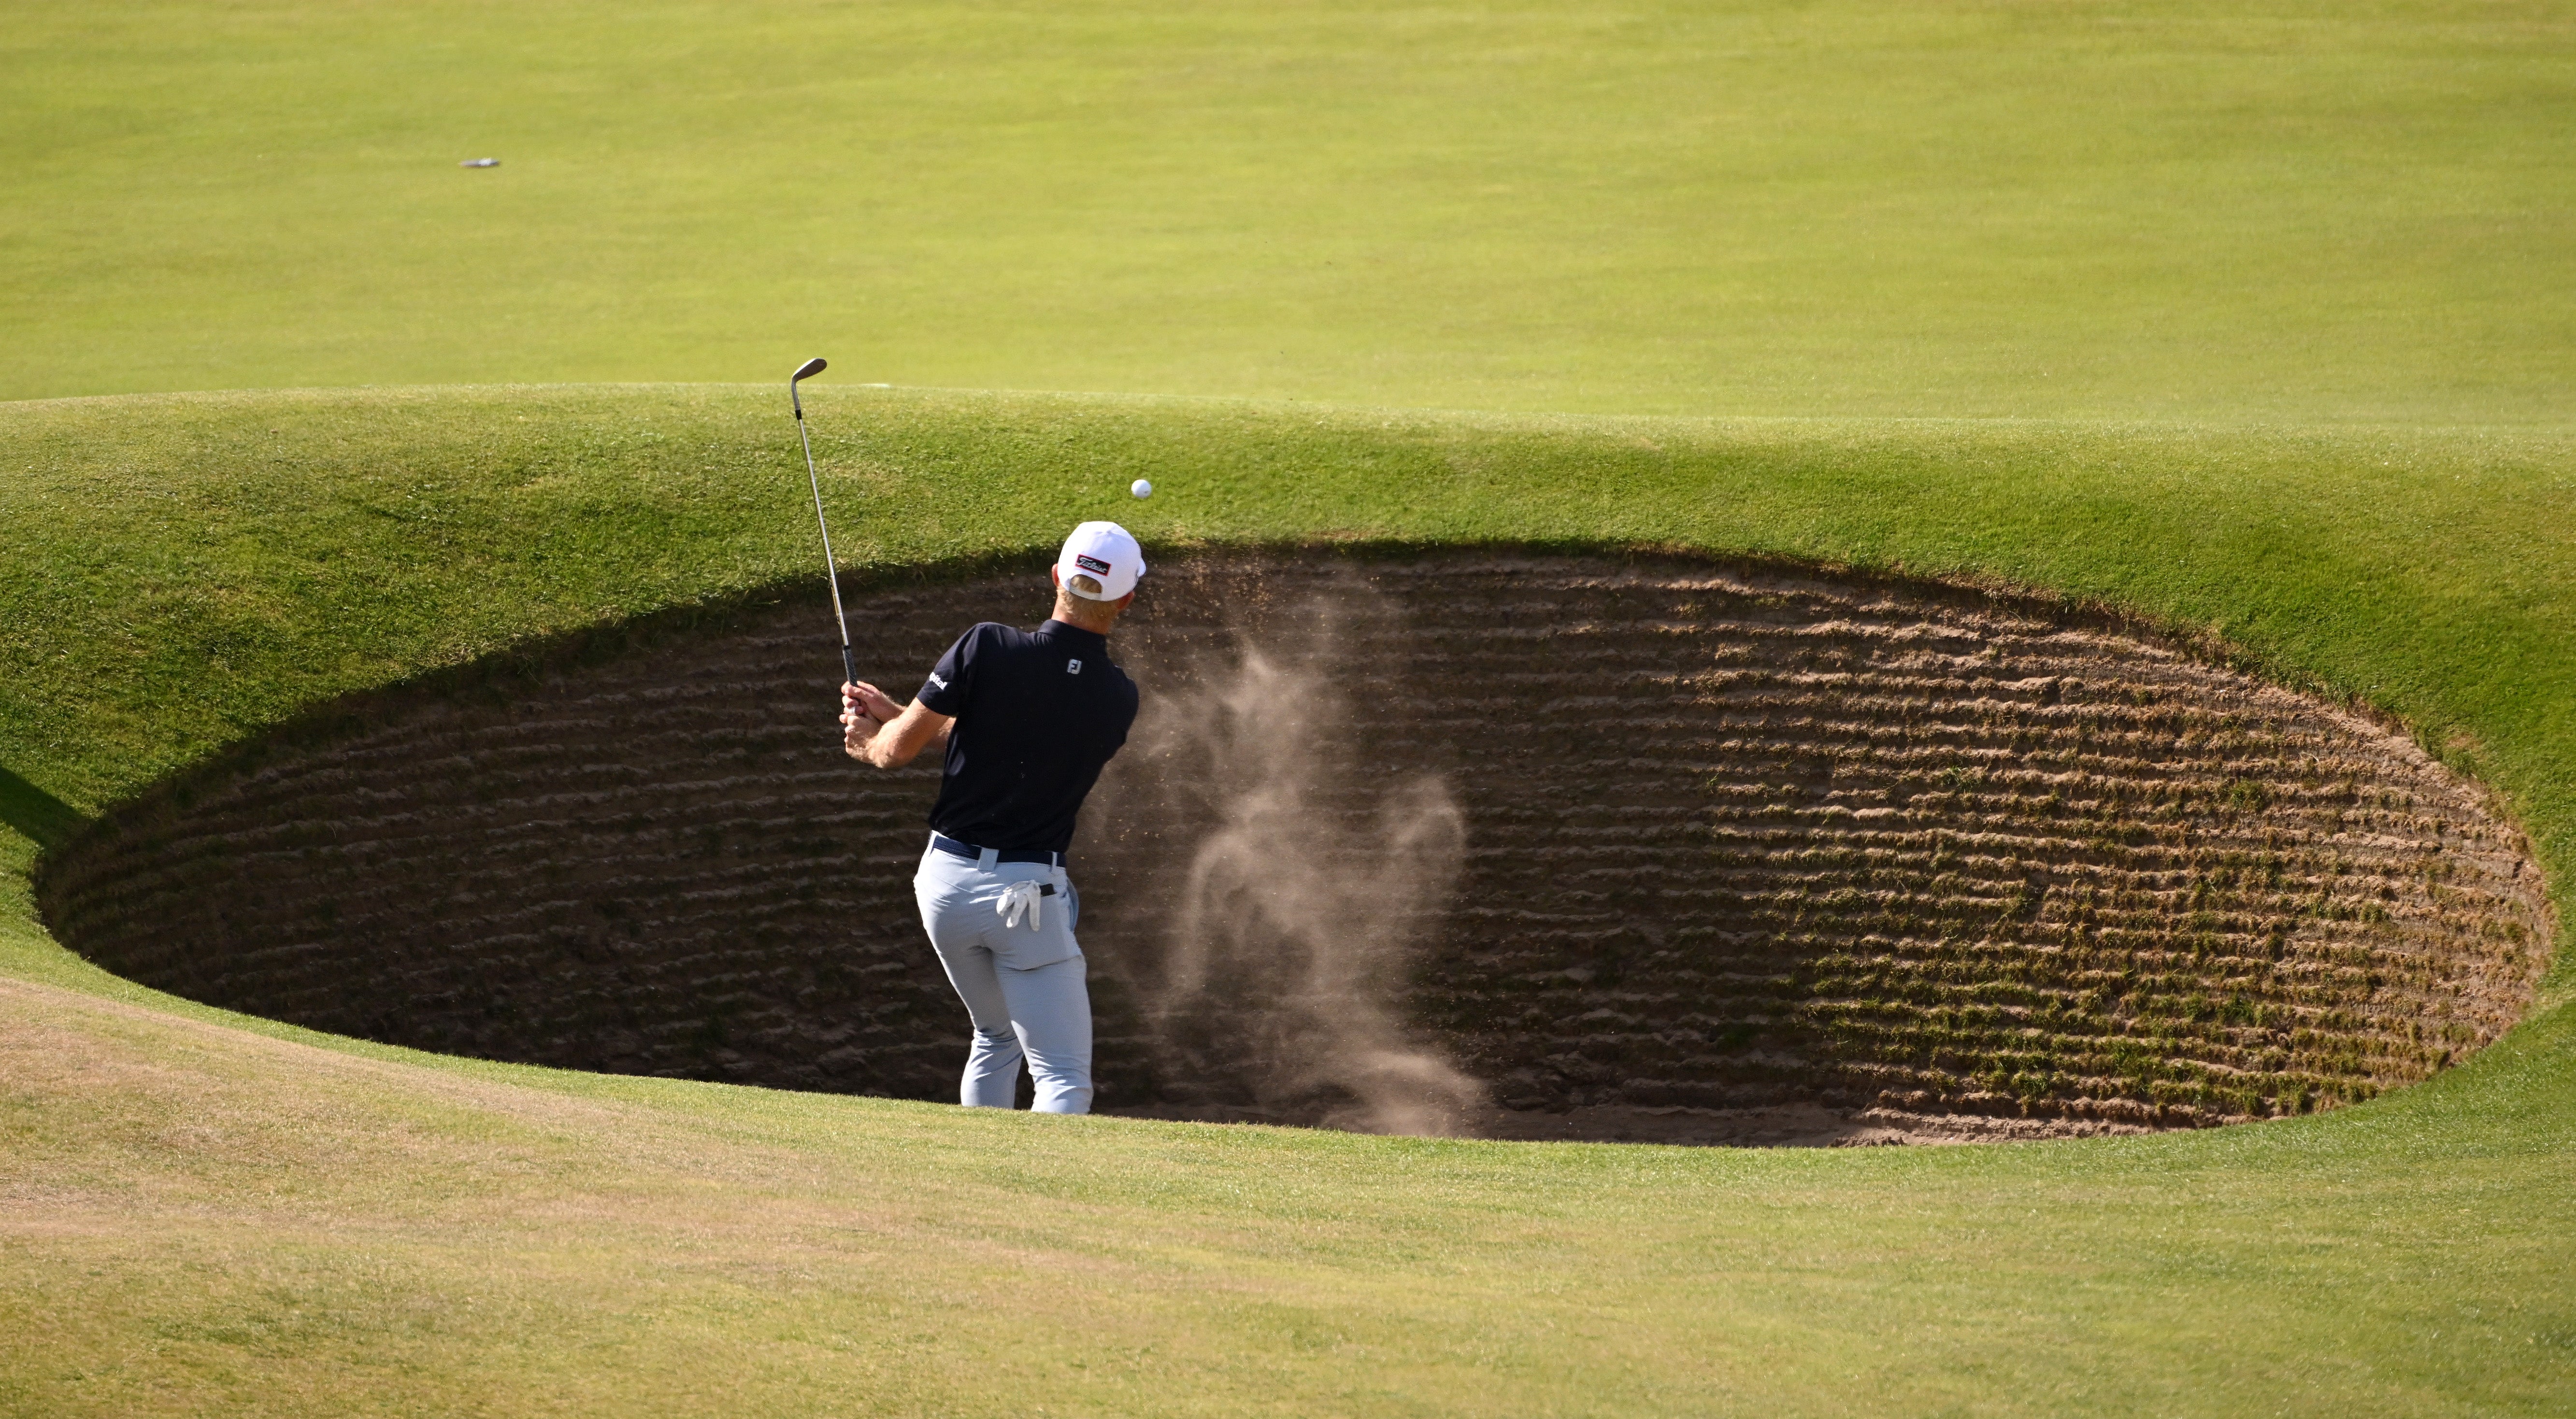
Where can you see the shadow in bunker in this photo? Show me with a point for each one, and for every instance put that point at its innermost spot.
(1498, 843)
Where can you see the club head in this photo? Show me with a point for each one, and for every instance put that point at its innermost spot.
(811, 367)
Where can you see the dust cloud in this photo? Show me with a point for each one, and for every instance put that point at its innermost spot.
(1290, 887)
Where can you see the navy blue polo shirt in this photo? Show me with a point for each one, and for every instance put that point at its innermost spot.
(1038, 715)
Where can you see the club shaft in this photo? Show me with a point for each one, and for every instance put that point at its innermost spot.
(831, 565)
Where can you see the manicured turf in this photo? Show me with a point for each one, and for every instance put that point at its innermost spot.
(2274, 301)
(202, 1214)
(2167, 210)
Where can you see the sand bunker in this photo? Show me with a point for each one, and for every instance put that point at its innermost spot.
(1532, 847)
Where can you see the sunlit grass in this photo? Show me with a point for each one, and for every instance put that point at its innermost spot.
(211, 1213)
(2086, 208)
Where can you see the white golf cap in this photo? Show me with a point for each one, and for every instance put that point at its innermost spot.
(1105, 552)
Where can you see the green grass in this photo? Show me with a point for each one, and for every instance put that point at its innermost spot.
(2199, 211)
(2251, 319)
(243, 1215)
(256, 1228)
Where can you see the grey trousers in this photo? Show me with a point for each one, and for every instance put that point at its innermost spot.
(1022, 977)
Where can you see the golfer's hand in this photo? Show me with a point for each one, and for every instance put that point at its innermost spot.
(867, 699)
(857, 725)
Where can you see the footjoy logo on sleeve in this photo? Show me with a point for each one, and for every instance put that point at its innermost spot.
(934, 679)
(1091, 564)
(1073, 667)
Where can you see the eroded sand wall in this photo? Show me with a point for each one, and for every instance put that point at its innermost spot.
(1730, 841)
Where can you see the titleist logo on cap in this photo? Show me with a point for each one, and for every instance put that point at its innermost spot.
(1090, 563)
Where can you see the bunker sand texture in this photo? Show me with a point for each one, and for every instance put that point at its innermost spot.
(1751, 855)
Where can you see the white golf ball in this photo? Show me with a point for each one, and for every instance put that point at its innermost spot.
(1141, 488)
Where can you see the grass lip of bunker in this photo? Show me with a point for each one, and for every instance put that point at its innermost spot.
(1833, 859)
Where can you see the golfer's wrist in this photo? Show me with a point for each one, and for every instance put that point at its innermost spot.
(862, 738)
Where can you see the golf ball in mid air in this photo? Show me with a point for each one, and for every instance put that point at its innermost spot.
(1141, 488)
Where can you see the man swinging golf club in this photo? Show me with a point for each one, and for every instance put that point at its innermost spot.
(1028, 718)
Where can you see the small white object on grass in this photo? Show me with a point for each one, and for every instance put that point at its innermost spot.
(1141, 488)
(480, 163)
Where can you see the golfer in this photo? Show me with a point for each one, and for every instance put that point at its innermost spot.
(1027, 718)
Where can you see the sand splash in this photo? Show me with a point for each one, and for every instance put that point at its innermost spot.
(1305, 887)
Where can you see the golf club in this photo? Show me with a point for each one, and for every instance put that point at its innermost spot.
(831, 568)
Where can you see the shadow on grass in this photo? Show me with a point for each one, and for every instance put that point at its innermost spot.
(36, 813)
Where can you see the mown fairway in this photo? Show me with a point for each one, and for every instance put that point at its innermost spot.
(1964, 210)
(2287, 286)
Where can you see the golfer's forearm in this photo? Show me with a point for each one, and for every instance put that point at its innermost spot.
(881, 751)
(890, 756)
(901, 740)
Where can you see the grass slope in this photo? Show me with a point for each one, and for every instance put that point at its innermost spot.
(247, 1216)
(2185, 209)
